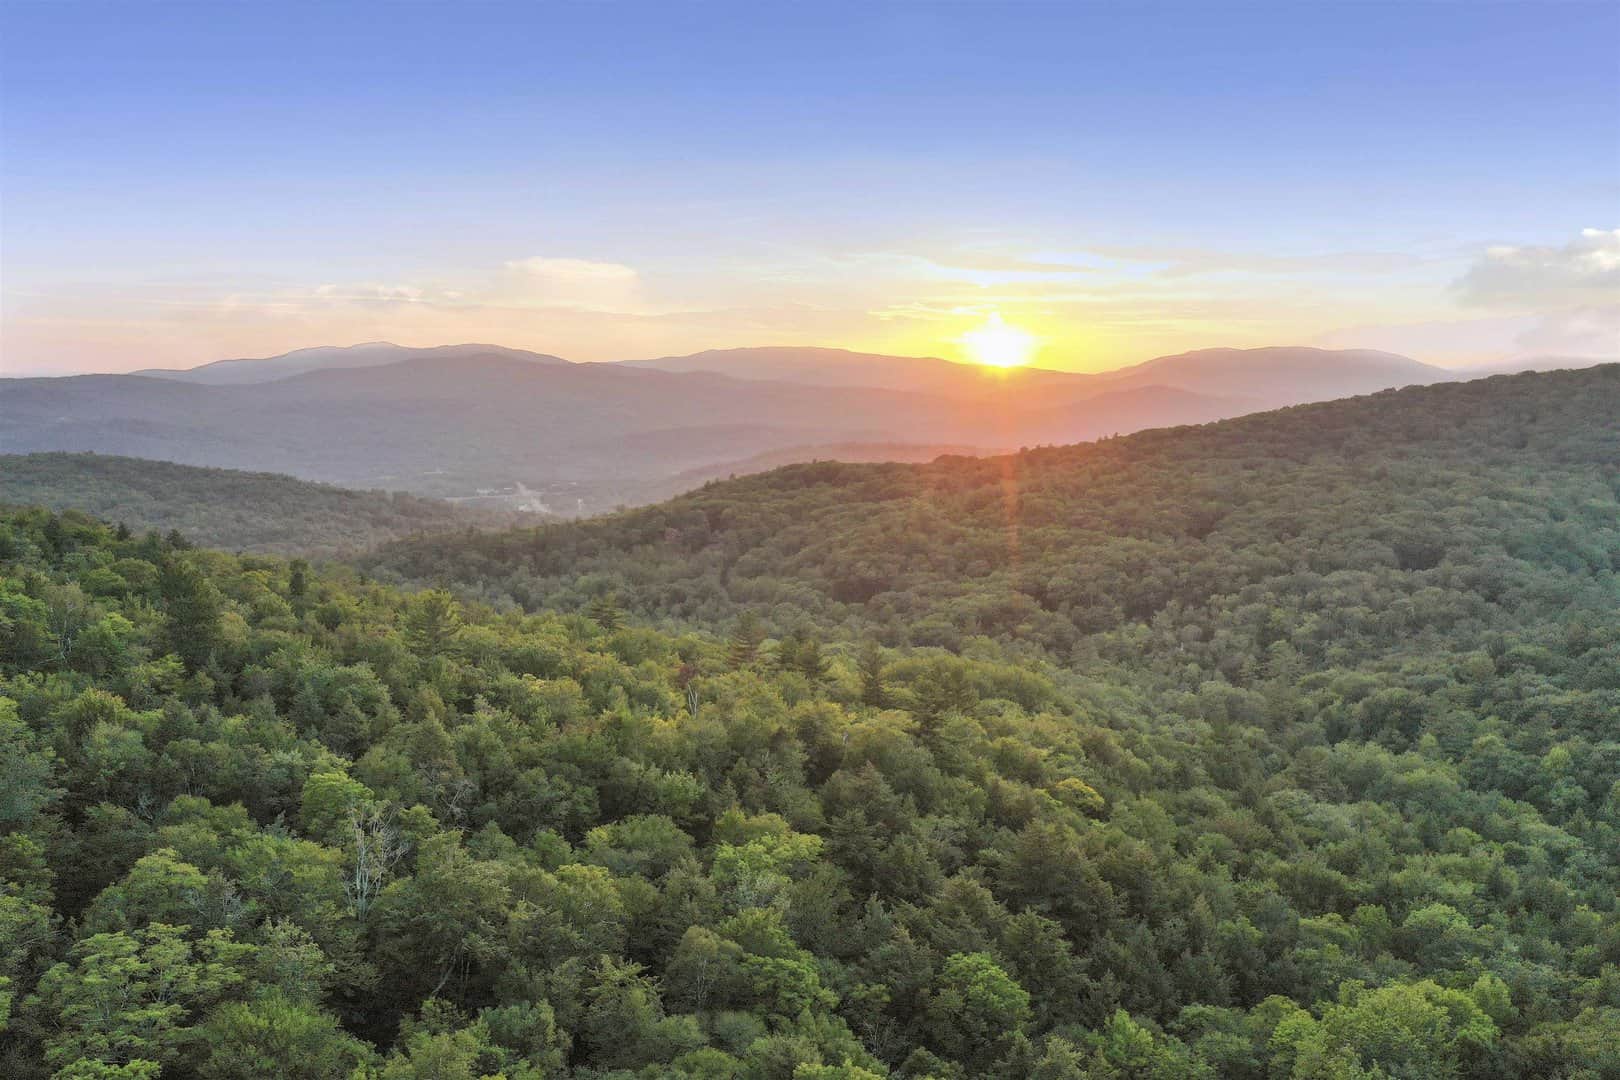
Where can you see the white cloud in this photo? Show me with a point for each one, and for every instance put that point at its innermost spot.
(373, 293)
(583, 284)
(1585, 331)
(1530, 277)
(554, 269)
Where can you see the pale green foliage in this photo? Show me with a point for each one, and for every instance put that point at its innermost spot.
(128, 996)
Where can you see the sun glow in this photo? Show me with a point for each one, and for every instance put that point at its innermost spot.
(995, 344)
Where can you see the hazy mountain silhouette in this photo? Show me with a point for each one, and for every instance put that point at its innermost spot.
(585, 436)
(460, 419)
(841, 367)
(1279, 375)
(328, 357)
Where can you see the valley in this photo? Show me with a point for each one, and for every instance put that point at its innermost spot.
(455, 421)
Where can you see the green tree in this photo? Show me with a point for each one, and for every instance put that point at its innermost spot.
(275, 1036)
(743, 647)
(134, 996)
(604, 611)
(27, 771)
(1405, 1031)
(193, 606)
(975, 1008)
(869, 664)
(432, 620)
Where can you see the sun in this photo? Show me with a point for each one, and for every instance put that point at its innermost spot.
(995, 344)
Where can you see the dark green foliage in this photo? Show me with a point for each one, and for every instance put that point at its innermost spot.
(604, 611)
(743, 648)
(1330, 805)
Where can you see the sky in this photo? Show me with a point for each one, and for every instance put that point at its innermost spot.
(181, 183)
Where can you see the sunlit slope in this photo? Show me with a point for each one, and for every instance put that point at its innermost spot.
(1054, 544)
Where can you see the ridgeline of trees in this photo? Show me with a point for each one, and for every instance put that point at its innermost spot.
(1051, 547)
(1306, 769)
(263, 513)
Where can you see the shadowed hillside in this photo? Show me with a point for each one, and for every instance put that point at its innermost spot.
(238, 511)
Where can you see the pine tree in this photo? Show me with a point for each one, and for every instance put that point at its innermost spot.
(193, 606)
(604, 612)
(743, 649)
(298, 578)
(802, 653)
(870, 665)
(431, 621)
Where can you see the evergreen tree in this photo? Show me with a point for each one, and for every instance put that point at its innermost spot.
(869, 663)
(742, 650)
(604, 611)
(432, 621)
(193, 606)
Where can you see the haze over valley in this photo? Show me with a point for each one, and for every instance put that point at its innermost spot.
(523, 430)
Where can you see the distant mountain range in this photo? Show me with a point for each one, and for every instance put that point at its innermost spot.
(328, 357)
(1258, 377)
(484, 420)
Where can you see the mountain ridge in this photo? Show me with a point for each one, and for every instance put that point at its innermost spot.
(248, 511)
(835, 543)
(590, 436)
(1314, 372)
(253, 370)
(584, 437)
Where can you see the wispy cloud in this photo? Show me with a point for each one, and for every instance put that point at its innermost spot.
(1584, 331)
(554, 269)
(1516, 277)
(585, 284)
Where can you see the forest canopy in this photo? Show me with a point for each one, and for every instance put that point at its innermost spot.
(1284, 747)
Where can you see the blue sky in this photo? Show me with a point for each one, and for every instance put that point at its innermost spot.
(183, 182)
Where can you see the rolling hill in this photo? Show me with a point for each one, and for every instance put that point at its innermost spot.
(1050, 545)
(335, 357)
(237, 511)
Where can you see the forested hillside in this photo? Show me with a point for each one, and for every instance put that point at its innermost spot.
(262, 513)
(1320, 523)
(1306, 768)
